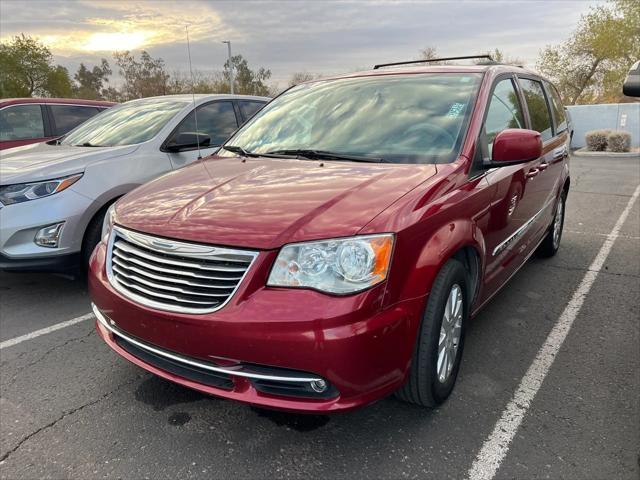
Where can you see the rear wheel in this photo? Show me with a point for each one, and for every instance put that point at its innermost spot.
(551, 242)
(438, 350)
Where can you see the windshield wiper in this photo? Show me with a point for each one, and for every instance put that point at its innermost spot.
(240, 150)
(326, 155)
(87, 144)
(245, 153)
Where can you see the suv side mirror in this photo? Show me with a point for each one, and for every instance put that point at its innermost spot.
(188, 141)
(631, 85)
(515, 145)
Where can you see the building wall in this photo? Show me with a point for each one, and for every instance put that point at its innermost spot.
(613, 116)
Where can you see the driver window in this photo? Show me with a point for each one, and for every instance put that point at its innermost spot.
(217, 119)
(504, 111)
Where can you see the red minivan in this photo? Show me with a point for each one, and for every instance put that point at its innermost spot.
(336, 247)
(32, 120)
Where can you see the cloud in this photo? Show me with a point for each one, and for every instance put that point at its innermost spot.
(286, 36)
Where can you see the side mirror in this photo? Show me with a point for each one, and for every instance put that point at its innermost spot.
(515, 145)
(631, 85)
(188, 141)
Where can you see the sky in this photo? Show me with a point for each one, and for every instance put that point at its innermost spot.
(316, 36)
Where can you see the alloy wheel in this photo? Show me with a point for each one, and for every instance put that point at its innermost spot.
(450, 332)
(557, 224)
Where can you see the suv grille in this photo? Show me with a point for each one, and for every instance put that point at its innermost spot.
(174, 276)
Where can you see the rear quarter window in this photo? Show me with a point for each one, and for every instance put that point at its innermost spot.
(68, 117)
(249, 108)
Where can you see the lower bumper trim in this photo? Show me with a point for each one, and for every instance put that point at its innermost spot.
(53, 264)
(238, 371)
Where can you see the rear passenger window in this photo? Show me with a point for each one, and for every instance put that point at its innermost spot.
(558, 108)
(538, 108)
(248, 108)
(68, 117)
(504, 111)
(20, 122)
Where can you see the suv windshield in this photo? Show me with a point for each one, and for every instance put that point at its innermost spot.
(127, 124)
(418, 118)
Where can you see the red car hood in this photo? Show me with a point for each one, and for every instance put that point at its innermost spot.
(265, 203)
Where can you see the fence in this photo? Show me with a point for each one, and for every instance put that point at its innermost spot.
(613, 116)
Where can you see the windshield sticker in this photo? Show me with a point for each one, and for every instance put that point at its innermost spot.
(455, 110)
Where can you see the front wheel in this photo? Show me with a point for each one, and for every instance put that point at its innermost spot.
(551, 242)
(438, 350)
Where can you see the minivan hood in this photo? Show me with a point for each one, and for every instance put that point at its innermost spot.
(41, 161)
(264, 203)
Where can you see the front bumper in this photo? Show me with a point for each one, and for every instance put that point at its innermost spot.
(19, 224)
(55, 264)
(361, 350)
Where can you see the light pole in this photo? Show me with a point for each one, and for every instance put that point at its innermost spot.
(228, 42)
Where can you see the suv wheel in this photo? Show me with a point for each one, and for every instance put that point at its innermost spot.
(438, 350)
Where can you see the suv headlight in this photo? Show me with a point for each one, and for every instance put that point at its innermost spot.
(23, 192)
(340, 266)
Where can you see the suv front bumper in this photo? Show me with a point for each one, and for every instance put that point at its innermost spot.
(20, 222)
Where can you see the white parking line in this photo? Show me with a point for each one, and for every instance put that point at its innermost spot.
(495, 448)
(43, 331)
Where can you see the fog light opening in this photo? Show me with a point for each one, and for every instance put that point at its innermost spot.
(49, 236)
(319, 386)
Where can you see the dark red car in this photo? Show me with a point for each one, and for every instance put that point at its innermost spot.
(334, 250)
(32, 120)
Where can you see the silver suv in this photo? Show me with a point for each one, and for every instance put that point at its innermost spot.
(54, 195)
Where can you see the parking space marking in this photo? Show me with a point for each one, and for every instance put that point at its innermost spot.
(496, 446)
(43, 331)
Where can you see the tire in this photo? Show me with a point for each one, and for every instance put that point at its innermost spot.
(551, 243)
(91, 239)
(424, 386)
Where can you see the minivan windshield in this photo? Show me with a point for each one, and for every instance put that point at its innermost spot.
(416, 118)
(130, 123)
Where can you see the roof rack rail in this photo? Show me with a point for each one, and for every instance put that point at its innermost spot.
(444, 59)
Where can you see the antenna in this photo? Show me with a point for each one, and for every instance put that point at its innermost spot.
(193, 94)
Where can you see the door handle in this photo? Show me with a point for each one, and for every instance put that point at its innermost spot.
(560, 153)
(543, 166)
(532, 173)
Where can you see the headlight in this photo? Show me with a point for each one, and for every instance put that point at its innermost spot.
(338, 266)
(23, 192)
(107, 223)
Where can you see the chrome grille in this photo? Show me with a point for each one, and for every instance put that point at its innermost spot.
(172, 275)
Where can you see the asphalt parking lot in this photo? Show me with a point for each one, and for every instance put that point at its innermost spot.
(71, 408)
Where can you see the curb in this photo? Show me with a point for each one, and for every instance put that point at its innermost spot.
(577, 153)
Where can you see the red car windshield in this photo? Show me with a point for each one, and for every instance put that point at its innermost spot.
(419, 118)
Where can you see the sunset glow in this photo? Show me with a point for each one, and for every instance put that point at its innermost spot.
(108, 42)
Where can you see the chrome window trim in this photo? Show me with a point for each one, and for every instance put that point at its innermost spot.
(520, 231)
(64, 104)
(109, 325)
(172, 247)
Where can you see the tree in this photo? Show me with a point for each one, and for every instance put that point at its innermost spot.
(58, 83)
(26, 69)
(591, 65)
(91, 83)
(301, 77)
(245, 80)
(429, 53)
(142, 78)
